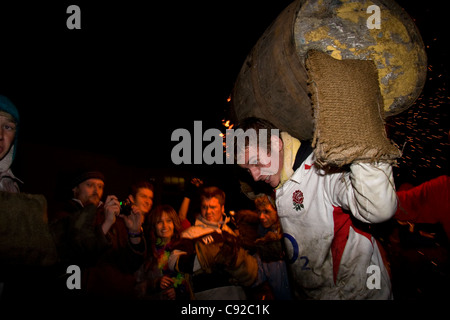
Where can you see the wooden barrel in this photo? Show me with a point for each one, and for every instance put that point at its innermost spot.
(272, 83)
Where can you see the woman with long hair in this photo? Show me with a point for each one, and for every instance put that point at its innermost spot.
(155, 279)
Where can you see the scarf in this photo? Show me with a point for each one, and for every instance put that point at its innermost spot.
(290, 148)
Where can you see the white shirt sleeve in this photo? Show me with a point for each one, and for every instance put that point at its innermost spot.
(369, 192)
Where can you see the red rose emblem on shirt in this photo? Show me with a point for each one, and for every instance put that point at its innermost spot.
(297, 199)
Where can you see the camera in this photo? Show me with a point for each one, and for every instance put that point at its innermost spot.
(125, 207)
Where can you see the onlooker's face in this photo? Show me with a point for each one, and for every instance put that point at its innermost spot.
(143, 200)
(267, 215)
(164, 227)
(89, 191)
(7, 133)
(211, 210)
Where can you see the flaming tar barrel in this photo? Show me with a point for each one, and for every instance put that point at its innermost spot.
(272, 83)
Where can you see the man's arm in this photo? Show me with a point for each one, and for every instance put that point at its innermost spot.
(369, 192)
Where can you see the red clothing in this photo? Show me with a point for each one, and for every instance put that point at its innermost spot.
(428, 202)
(185, 224)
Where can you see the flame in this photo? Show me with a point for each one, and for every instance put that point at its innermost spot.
(227, 124)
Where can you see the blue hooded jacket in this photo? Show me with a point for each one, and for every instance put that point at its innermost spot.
(7, 106)
(8, 182)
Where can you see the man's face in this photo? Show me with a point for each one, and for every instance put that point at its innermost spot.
(262, 166)
(143, 200)
(7, 133)
(89, 191)
(211, 210)
(267, 215)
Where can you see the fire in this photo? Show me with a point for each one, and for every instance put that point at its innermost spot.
(227, 124)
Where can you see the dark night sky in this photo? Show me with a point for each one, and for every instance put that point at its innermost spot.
(132, 74)
(135, 72)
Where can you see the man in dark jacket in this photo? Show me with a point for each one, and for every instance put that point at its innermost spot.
(106, 244)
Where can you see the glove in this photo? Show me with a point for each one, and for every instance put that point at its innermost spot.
(270, 251)
(192, 188)
(242, 267)
(206, 254)
(228, 251)
(245, 269)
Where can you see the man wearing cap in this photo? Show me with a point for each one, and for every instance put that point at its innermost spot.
(107, 245)
(9, 125)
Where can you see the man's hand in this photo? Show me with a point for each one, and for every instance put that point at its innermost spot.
(112, 210)
(133, 222)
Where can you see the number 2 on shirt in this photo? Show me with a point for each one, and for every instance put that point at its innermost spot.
(295, 252)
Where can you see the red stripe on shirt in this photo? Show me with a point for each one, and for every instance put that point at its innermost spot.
(342, 224)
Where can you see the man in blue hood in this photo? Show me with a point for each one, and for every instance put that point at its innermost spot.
(9, 125)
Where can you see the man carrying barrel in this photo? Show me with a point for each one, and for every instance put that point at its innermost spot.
(325, 215)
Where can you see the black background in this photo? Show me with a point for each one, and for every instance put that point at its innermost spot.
(111, 94)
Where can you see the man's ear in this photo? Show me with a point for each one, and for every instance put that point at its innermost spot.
(276, 143)
(75, 191)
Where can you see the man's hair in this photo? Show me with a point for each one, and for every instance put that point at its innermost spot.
(257, 124)
(134, 188)
(213, 192)
(254, 132)
(263, 200)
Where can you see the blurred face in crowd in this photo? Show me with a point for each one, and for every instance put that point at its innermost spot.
(143, 200)
(7, 133)
(211, 209)
(164, 227)
(267, 215)
(89, 191)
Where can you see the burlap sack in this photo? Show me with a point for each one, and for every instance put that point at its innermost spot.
(348, 111)
(25, 238)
